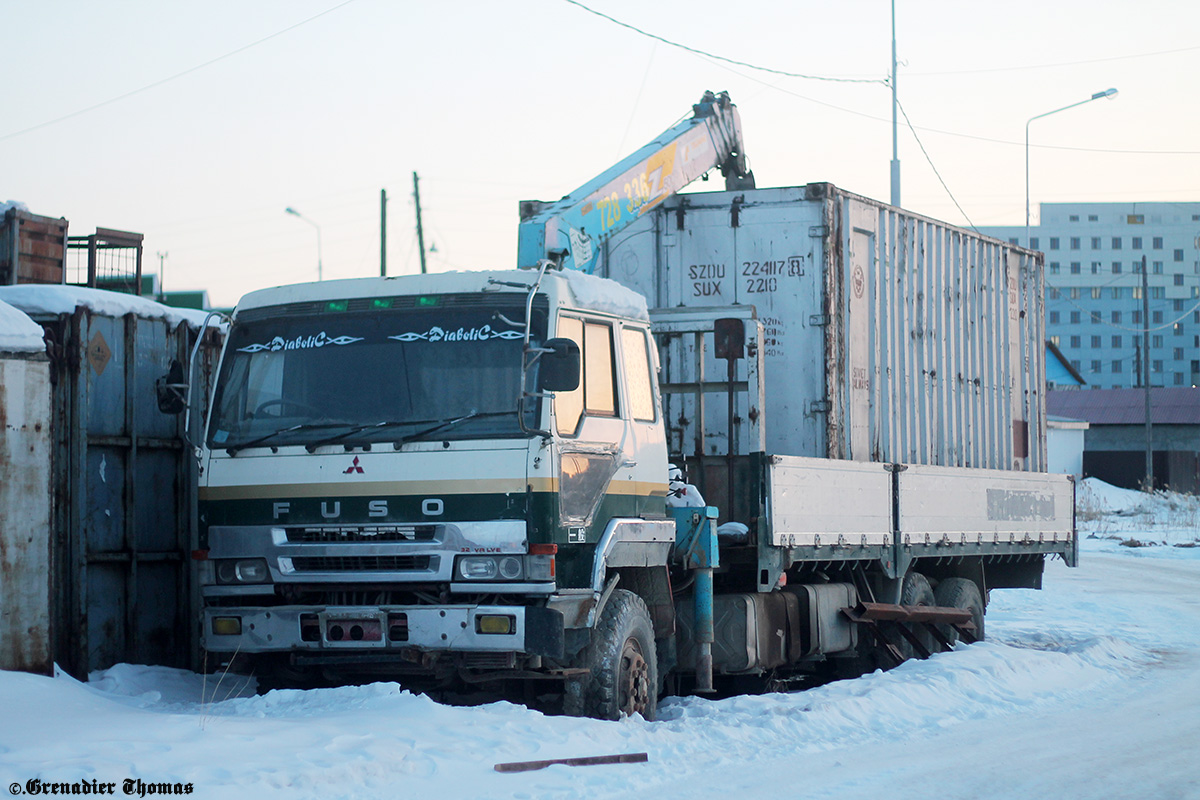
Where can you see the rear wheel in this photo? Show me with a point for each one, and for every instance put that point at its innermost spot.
(622, 664)
(961, 593)
(917, 592)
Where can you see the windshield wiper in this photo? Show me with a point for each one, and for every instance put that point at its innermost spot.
(446, 423)
(359, 429)
(303, 426)
(439, 425)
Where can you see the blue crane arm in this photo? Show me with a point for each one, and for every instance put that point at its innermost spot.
(569, 232)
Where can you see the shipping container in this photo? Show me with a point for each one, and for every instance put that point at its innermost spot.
(25, 503)
(123, 477)
(32, 248)
(886, 336)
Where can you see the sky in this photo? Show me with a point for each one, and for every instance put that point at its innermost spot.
(198, 124)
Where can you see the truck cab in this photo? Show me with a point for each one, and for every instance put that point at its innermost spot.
(434, 477)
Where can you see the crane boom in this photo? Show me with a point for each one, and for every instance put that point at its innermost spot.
(569, 232)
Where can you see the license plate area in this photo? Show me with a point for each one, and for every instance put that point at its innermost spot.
(351, 629)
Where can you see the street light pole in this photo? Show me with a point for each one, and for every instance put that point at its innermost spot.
(295, 213)
(895, 139)
(1096, 96)
(162, 261)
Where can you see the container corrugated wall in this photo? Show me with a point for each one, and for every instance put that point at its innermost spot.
(124, 487)
(887, 336)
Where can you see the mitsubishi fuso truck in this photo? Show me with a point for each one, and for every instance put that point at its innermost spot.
(695, 441)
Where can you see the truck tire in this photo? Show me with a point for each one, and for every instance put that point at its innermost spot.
(622, 664)
(917, 592)
(961, 593)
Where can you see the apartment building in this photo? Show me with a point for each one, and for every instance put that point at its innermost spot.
(1094, 309)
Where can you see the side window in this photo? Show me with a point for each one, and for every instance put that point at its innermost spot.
(597, 392)
(568, 406)
(599, 377)
(637, 374)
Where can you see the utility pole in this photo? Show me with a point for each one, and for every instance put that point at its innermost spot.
(1137, 363)
(420, 231)
(162, 258)
(895, 102)
(383, 233)
(1148, 484)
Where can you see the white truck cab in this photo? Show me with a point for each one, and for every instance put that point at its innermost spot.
(388, 485)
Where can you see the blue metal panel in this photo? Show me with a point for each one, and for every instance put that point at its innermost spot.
(125, 479)
(104, 499)
(696, 537)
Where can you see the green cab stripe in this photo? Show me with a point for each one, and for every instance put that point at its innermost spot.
(412, 488)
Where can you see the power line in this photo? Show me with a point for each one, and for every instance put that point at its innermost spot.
(636, 101)
(924, 152)
(1054, 64)
(989, 139)
(707, 54)
(884, 82)
(1060, 146)
(157, 83)
(1100, 319)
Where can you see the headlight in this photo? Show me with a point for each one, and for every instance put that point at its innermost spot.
(478, 568)
(510, 568)
(506, 568)
(244, 570)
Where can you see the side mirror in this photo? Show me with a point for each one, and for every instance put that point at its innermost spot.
(558, 367)
(171, 390)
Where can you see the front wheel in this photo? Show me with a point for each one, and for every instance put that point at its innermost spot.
(622, 664)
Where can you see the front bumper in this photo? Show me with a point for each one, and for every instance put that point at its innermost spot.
(380, 630)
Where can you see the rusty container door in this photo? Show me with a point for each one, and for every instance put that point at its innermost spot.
(124, 483)
(25, 635)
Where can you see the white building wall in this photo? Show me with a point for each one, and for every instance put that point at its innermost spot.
(1064, 449)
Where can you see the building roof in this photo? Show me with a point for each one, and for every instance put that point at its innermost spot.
(1065, 423)
(1127, 406)
(1058, 370)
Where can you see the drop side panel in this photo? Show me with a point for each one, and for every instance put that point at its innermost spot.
(818, 502)
(955, 506)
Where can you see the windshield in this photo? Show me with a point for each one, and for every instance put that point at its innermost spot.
(394, 370)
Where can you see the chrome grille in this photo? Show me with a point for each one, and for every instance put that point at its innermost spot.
(361, 533)
(361, 563)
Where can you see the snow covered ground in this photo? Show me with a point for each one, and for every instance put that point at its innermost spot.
(1089, 688)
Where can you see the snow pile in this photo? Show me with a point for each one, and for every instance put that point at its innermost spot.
(601, 294)
(1084, 689)
(1137, 518)
(168, 725)
(18, 333)
(1097, 497)
(46, 299)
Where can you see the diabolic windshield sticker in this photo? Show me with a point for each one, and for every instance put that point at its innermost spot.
(300, 343)
(435, 334)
